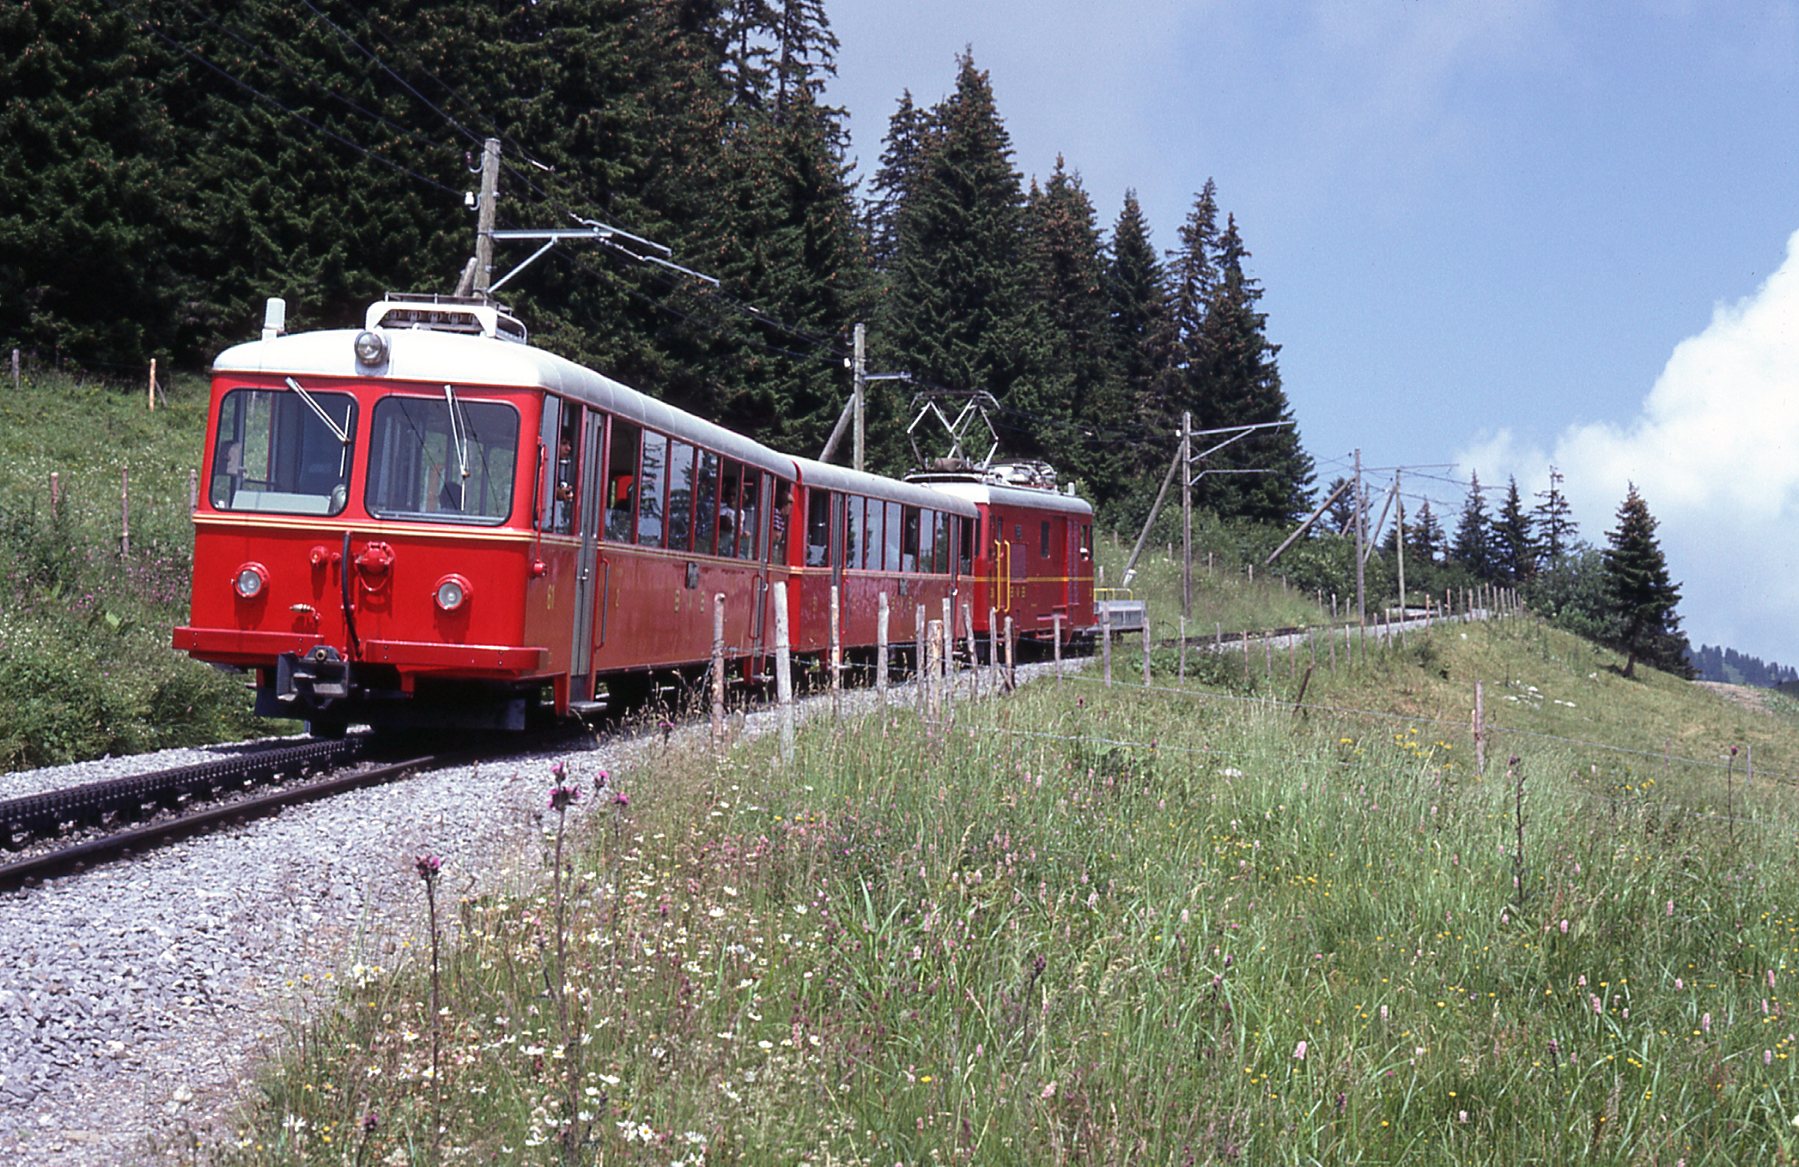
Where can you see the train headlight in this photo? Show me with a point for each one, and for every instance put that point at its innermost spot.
(452, 592)
(251, 579)
(371, 348)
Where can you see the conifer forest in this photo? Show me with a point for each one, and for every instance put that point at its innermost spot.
(165, 165)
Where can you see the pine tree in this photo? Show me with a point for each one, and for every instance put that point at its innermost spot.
(1339, 516)
(1137, 306)
(1070, 268)
(960, 314)
(1514, 550)
(908, 134)
(1243, 387)
(1641, 593)
(93, 184)
(1473, 547)
(1554, 521)
(1425, 538)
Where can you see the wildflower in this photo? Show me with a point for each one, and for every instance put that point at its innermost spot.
(600, 780)
(428, 865)
(1564, 927)
(1767, 1057)
(369, 1122)
(562, 796)
(1299, 1052)
(1705, 1022)
(620, 799)
(558, 771)
(1670, 909)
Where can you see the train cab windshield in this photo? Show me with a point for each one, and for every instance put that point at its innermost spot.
(283, 452)
(442, 459)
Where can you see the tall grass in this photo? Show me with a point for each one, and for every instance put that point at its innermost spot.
(85, 663)
(1091, 924)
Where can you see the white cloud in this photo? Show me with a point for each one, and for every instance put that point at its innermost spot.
(1715, 453)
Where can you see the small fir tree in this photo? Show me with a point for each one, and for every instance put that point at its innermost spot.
(1554, 520)
(1473, 547)
(1641, 594)
(1425, 537)
(1514, 550)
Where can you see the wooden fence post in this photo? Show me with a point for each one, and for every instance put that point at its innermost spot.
(993, 646)
(193, 489)
(1146, 650)
(125, 512)
(918, 650)
(974, 656)
(1105, 640)
(948, 633)
(881, 617)
(784, 673)
(1011, 656)
(15, 370)
(1056, 619)
(836, 651)
(55, 494)
(718, 667)
(1480, 729)
(931, 675)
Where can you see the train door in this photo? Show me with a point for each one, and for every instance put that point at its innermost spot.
(591, 438)
(1001, 589)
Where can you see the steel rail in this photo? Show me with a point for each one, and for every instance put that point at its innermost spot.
(82, 854)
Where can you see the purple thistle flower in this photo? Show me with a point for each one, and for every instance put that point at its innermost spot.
(620, 799)
(428, 865)
(600, 780)
(558, 771)
(370, 1121)
(562, 796)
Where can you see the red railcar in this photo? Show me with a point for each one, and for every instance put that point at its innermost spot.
(429, 521)
(1033, 553)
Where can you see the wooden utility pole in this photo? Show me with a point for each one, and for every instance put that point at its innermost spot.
(1186, 516)
(857, 398)
(1361, 536)
(490, 188)
(1399, 543)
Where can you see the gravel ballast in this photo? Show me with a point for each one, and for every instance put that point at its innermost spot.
(137, 1000)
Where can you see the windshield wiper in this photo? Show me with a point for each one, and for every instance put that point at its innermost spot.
(337, 431)
(458, 438)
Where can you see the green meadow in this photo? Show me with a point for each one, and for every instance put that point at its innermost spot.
(1190, 923)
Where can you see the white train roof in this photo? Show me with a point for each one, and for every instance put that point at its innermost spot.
(815, 473)
(993, 494)
(419, 356)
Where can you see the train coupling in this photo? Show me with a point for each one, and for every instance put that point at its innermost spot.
(315, 680)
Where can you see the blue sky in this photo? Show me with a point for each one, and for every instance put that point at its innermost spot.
(1494, 234)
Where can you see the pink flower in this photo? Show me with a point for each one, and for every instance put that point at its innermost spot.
(428, 865)
(1299, 1052)
(1705, 1023)
(561, 797)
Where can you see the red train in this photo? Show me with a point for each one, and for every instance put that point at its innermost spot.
(432, 522)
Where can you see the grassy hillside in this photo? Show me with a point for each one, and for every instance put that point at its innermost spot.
(85, 663)
(1089, 924)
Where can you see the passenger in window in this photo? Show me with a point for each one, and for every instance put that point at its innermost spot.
(783, 508)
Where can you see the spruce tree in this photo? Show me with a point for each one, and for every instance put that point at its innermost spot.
(92, 181)
(1242, 386)
(1514, 550)
(1554, 520)
(1082, 429)
(1425, 537)
(1473, 548)
(960, 314)
(1137, 306)
(1642, 596)
(908, 133)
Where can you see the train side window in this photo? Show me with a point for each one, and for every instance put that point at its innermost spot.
(705, 522)
(895, 528)
(967, 554)
(855, 549)
(818, 528)
(680, 496)
(1045, 540)
(1086, 540)
(651, 489)
(940, 550)
(780, 519)
(909, 540)
(730, 507)
(621, 481)
(749, 517)
(565, 470)
(876, 535)
(927, 542)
